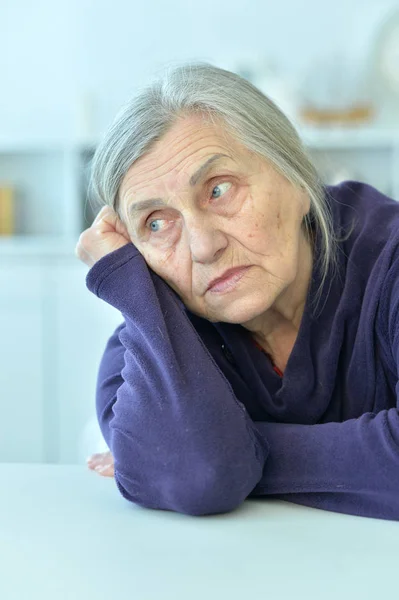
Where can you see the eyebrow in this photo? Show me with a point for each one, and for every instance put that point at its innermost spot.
(138, 207)
(199, 173)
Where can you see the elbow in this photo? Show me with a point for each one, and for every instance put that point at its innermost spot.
(204, 494)
(187, 483)
(213, 497)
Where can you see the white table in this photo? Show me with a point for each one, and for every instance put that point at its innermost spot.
(67, 533)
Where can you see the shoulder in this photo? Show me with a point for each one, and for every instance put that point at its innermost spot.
(364, 211)
(389, 303)
(366, 226)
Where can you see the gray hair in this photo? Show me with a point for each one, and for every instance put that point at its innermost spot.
(250, 116)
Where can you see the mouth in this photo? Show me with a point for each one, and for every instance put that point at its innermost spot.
(228, 280)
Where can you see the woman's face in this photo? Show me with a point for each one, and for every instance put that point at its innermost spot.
(199, 203)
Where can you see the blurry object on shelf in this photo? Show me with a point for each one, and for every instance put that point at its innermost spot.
(385, 66)
(6, 210)
(336, 92)
(270, 80)
(353, 115)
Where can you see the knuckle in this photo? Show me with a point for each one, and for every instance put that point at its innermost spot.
(84, 237)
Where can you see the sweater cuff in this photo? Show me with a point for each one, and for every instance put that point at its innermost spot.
(107, 264)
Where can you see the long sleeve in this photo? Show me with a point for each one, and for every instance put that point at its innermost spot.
(308, 464)
(180, 438)
(350, 467)
(109, 379)
(183, 442)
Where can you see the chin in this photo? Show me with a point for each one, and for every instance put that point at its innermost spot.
(239, 311)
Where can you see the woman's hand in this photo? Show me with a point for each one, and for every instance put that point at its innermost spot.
(106, 234)
(102, 463)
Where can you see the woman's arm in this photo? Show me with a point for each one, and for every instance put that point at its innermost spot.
(179, 437)
(350, 467)
(181, 440)
(109, 379)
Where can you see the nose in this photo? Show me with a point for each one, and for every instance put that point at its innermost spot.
(206, 240)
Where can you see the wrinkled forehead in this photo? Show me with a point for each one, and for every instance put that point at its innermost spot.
(173, 161)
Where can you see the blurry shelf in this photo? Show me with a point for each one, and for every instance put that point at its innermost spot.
(50, 177)
(316, 137)
(356, 138)
(32, 245)
(16, 145)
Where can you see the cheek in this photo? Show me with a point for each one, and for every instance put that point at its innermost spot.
(254, 224)
(254, 231)
(171, 268)
(267, 225)
(266, 235)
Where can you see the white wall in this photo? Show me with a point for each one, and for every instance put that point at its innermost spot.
(52, 53)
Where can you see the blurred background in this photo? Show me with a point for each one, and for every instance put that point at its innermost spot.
(66, 68)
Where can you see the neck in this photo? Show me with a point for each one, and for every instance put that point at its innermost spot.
(278, 327)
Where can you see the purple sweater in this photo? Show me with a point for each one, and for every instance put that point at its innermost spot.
(197, 419)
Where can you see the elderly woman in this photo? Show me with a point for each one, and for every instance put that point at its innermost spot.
(259, 349)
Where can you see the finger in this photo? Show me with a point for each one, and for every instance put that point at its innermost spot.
(95, 463)
(104, 212)
(110, 216)
(110, 222)
(98, 465)
(99, 215)
(105, 470)
(95, 460)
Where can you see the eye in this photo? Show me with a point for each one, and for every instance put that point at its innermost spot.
(220, 189)
(161, 226)
(155, 229)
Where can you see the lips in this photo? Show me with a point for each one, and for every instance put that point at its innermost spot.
(226, 275)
